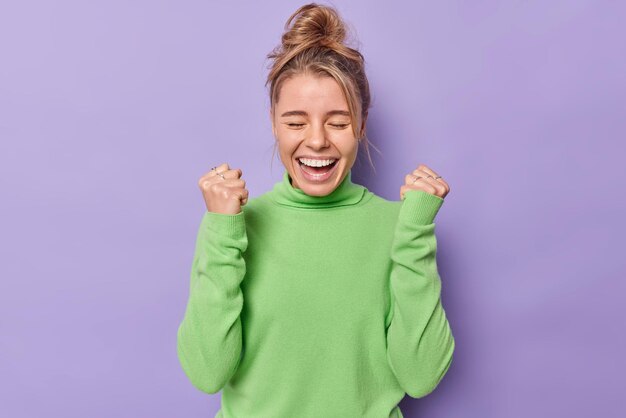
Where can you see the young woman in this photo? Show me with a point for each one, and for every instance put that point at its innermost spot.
(319, 298)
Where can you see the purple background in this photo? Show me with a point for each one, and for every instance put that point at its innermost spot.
(111, 111)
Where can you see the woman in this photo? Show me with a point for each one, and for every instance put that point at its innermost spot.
(318, 298)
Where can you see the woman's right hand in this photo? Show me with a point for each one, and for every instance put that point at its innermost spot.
(227, 195)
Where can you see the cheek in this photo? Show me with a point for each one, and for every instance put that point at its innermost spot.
(289, 140)
(287, 147)
(347, 146)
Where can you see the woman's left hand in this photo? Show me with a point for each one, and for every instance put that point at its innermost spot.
(427, 180)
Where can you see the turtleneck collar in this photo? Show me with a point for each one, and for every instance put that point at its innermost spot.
(347, 193)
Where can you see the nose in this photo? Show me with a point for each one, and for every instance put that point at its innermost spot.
(316, 137)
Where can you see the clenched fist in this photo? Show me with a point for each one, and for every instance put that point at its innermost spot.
(224, 195)
(425, 179)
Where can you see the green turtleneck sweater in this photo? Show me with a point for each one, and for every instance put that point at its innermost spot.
(317, 307)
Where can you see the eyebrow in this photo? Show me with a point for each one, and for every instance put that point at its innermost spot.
(303, 113)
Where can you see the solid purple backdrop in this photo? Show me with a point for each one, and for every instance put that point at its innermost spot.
(111, 111)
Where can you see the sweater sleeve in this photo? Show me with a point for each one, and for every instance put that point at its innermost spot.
(419, 339)
(209, 338)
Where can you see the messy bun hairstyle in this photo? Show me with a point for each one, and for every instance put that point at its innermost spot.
(313, 43)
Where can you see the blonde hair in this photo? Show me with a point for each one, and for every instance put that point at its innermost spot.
(314, 44)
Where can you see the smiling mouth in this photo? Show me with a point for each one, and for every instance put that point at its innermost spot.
(317, 170)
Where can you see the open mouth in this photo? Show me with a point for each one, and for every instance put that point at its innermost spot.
(317, 170)
(317, 174)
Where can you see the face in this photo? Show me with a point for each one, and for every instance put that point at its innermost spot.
(312, 121)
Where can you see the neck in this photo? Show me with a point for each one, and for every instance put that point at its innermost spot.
(346, 193)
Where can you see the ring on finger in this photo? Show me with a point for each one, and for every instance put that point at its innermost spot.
(418, 177)
(217, 172)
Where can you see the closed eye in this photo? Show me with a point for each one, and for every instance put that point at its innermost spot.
(340, 126)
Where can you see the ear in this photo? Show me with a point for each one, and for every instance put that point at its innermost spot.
(363, 124)
(272, 122)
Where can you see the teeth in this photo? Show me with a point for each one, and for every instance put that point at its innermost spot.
(316, 163)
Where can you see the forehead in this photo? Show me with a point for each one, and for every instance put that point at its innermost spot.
(309, 92)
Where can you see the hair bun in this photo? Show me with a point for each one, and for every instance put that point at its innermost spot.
(314, 24)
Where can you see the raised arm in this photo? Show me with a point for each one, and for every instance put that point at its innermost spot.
(210, 336)
(419, 339)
